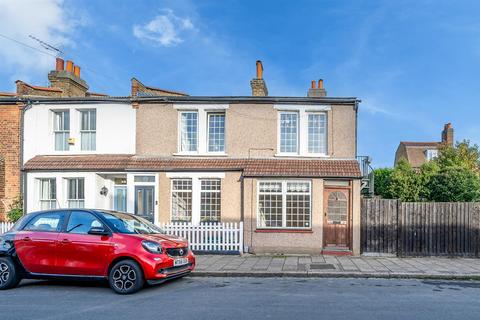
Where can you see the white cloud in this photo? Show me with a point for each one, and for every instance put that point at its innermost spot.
(45, 19)
(165, 29)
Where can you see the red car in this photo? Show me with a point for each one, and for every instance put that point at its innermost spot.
(93, 244)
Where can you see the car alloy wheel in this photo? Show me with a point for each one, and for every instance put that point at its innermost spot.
(4, 273)
(124, 277)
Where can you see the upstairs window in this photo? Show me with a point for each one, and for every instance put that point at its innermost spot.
(289, 132)
(88, 129)
(216, 132)
(189, 131)
(61, 130)
(317, 133)
(431, 154)
(76, 193)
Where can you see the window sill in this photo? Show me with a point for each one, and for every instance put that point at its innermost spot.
(297, 155)
(213, 154)
(283, 231)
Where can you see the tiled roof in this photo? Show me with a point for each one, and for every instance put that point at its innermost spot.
(40, 88)
(250, 167)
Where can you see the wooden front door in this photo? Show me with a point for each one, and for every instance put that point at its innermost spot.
(336, 223)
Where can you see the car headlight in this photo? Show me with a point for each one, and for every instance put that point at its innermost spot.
(152, 247)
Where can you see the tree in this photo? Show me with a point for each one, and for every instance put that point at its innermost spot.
(382, 178)
(462, 155)
(455, 184)
(405, 183)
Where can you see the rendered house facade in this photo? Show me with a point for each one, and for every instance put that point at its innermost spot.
(285, 166)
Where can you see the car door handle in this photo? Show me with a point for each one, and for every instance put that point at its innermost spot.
(26, 239)
(65, 241)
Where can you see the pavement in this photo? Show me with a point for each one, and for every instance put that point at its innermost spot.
(247, 298)
(336, 266)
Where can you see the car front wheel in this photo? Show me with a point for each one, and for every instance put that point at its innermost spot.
(126, 277)
(9, 277)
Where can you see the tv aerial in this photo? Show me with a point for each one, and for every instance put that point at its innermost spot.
(48, 46)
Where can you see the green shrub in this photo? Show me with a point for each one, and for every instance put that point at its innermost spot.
(16, 210)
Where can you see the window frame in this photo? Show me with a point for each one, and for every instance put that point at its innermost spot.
(215, 113)
(172, 202)
(67, 194)
(431, 154)
(218, 192)
(180, 132)
(64, 132)
(89, 131)
(308, 114)
(279, 133)
(284, 203)
(39, 183)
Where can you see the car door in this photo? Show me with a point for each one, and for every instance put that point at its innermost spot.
(36, 243)
(81, 253)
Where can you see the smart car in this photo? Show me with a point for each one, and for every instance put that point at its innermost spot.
(123, 248)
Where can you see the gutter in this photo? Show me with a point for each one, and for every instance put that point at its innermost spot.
(23, 185)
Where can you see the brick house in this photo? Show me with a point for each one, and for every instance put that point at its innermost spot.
(284, 166)
(417, 153)
(65, 81)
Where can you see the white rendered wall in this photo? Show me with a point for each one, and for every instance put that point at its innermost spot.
(115, 132)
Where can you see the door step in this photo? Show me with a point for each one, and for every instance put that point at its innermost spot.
(337, 252)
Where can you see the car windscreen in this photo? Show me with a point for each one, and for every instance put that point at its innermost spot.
(127, 223)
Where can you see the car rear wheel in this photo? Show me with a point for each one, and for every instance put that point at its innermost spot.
(9, 277)
(126, 277)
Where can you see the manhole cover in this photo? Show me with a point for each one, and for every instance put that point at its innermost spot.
(322, 266)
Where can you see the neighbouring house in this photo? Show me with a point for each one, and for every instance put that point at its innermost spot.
(65, 81)
(284, 166)
(417, 153)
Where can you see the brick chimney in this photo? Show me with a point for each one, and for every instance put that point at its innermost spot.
(447, 135)
(315, 91)
(68, 79)
(259, 87)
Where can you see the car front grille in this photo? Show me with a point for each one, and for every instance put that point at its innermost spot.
(177, 252)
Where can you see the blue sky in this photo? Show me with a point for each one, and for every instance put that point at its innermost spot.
(414, 64)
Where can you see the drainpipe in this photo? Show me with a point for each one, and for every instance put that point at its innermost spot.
(23, 185)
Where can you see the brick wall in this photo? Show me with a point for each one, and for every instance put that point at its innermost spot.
(10, 154)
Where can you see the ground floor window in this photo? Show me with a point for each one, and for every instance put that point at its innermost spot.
(75, 193)
(196, 199)
(48, 193)
(284, 204)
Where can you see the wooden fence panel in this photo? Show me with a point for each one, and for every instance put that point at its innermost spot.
(420, 228)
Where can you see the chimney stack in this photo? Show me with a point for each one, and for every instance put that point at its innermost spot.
(315, 91)
(447, 135)
(259, 87)
(67, 78)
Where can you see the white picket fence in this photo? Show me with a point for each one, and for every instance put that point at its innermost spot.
(5, 226)
(221, 237)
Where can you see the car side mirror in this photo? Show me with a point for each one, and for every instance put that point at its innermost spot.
(99, 231)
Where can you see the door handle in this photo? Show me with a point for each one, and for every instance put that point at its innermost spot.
(65, 241)
(26, 239)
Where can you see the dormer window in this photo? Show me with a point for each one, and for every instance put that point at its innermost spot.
(431, 154)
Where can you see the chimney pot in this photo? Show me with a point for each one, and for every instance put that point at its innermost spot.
(259, 69)
(76, 71)
(314, 84)
(320, 84)
(70, 66)
(60, 64)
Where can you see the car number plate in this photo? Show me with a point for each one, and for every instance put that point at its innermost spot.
(180, 262)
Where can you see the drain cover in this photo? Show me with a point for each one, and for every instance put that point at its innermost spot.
(322, 266)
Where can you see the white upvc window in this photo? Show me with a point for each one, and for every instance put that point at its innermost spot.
(431, 154)
(75, 192)
(302, 130)
(196, 197)
(47, 193)
(88, 129)
(61, 129)
(201, 129)
(284, 204)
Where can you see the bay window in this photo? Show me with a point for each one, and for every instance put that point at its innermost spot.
(284, 204)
